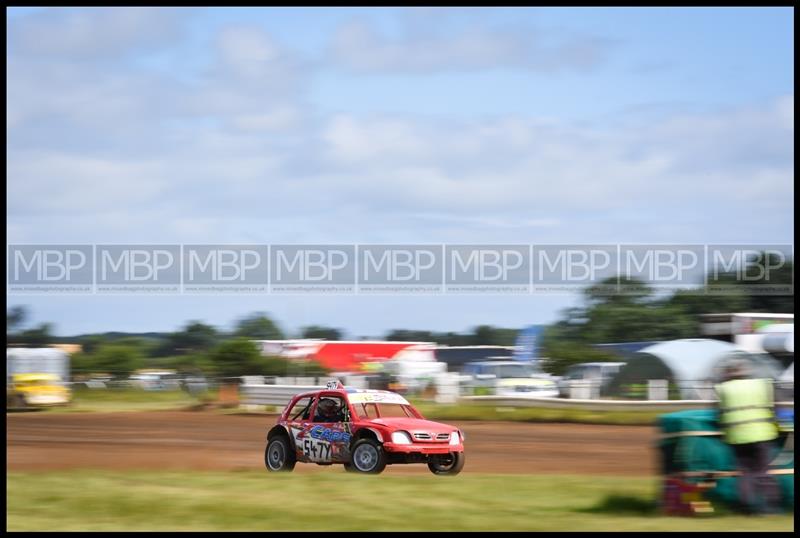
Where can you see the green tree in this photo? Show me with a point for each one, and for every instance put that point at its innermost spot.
(236, 357)
(764, 269)
(91, 342)
(15, 317)
(405, 335)
(561, 353)
(697, 303)
(239, 356)
(196, 337)
(486, 335)
(324, 333)
(258, 326)
(112, 358)
(634, 314)
(633, 311)
(39, 336)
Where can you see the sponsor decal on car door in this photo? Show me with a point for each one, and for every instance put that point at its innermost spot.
(323, 443)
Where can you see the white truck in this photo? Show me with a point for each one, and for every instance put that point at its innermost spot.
(40, 360)
(36, 377)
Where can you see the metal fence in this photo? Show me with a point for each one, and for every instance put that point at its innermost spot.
(450, 388)
(280, 395)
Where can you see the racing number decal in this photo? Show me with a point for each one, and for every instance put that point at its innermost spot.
(316, 450)
(321, 444)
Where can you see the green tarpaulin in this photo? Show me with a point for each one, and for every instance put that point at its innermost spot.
(692, 445)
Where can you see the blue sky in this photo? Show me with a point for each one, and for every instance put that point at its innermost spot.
(392, 125)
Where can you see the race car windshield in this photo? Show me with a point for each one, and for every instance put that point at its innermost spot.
(384, 410)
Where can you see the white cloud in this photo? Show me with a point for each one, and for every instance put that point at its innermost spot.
(499, 176)
(92, 33)
(247, 51)
(234, 150)
(356, 46)
(281, 117)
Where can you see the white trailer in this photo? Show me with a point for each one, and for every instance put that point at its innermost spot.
(43, 360)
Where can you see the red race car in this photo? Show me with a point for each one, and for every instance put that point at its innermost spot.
(365, 430)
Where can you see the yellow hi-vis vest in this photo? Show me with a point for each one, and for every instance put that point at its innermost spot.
(746, 411)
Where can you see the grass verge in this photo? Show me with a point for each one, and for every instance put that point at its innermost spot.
(471, 411)
(332, 500)
(115, 400)
(487, 412)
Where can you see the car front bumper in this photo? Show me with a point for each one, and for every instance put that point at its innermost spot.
(420, 448)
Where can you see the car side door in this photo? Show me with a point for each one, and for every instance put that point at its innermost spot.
(298, 421)
(328, 439)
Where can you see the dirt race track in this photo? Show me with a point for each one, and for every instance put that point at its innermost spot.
(209, 440)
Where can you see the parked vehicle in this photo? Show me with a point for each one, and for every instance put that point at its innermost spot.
(195, 384)
(42, 360)
(155, 380)
(413, 375)
(92, 381)
(36, 390)
(365, 430)
(510, 378)
(598, 372)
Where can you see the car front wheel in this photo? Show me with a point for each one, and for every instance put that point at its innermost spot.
(368, 457)
(447, 464)
(278, 456)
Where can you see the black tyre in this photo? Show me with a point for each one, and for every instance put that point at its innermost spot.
(20, 402)
(349, 468)
(447, 464)
(278, 455)
(368, 457)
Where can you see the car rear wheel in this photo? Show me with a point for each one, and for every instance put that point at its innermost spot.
(278, 456)
(20, 402)
(368, 457)
(447, 464)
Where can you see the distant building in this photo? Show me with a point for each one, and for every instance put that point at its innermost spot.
(457, 356)
(348, 356)
(736, 327)
(68, 348)
(754, 332)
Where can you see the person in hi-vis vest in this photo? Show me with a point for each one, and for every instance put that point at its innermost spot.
(747, 419)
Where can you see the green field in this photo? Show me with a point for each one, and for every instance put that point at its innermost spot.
(113, 400)
(334, 500)
(492, 412)
(473, 411)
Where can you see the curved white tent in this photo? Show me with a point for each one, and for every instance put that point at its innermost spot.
(788, 374)
(694, 365)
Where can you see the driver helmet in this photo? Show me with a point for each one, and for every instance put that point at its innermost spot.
(328, 407)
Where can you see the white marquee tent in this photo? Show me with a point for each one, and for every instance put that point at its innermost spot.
(694, 365)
